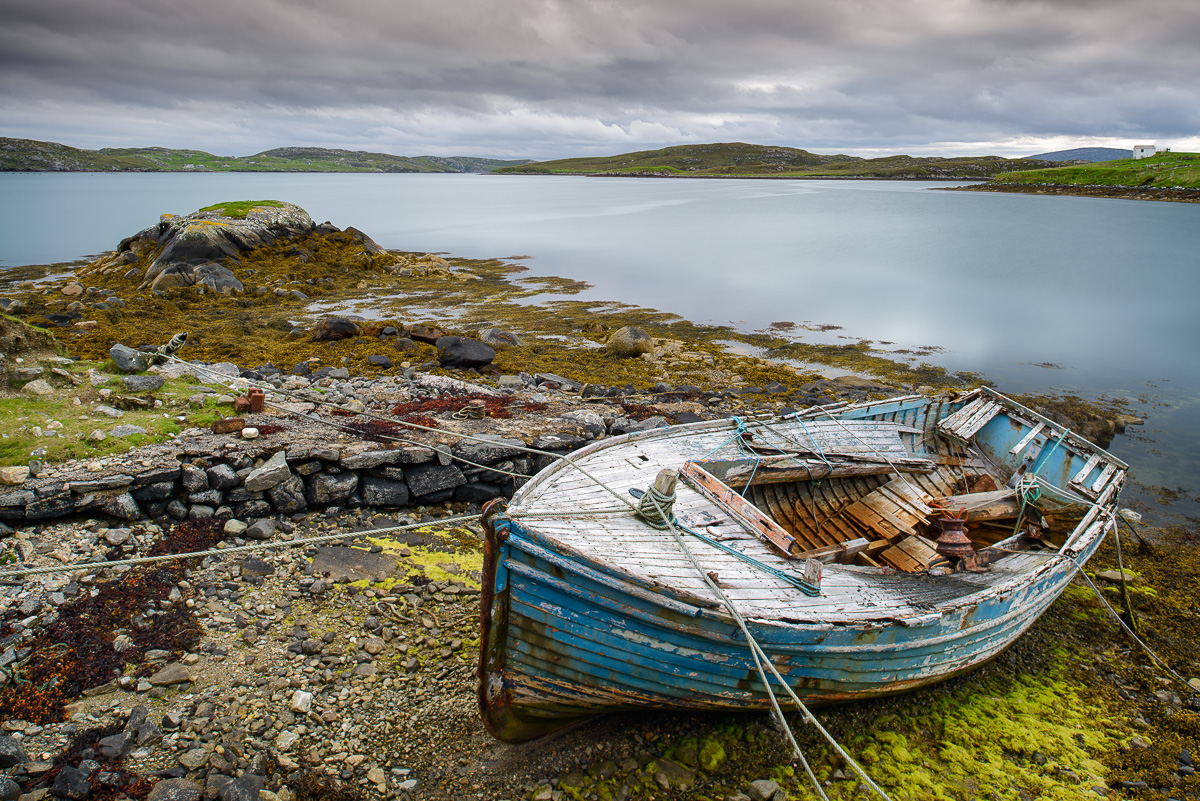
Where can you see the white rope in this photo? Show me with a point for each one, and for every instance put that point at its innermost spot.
(265, 546)
(760, 657)
(1116, 616)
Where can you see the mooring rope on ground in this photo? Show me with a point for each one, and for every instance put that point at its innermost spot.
(238, 549)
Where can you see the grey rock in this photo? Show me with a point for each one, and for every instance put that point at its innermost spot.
(37, 388)
(101, 484)
(455, 351)
(11, 752)
(209, 497)
(193, 478)
(499, 338)
(592, 422)
(551, 378)
(11, 305)
(270, 475)
(241, 495)
(478, 492)
(122, 506)
(428, 479)
(670, 775)
(155, 475)
(116, 746)
(71, 783)
(369, 459)
(492, 450)
(155, 492)
(564, 440)
(380, 361)
(630, 341)
(352, 564)
(199, 512)
(21, 374)
(288, 497)
(257, 567)
(128, 360)
(117, 536)
(123, 431)
(142, 383)
(223, 477)
(378, 491)
(174, 673)
(245, 788)
(149, 733)
(177, 509)
(261, 530)
(109, 411)
(764, 790)
(252, 509)
(325, 489)
(193, 758)
(9, 790)
(175, 790)
(647, 424)
(52, 506)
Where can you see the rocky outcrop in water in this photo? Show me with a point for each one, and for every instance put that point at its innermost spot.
(195, 248)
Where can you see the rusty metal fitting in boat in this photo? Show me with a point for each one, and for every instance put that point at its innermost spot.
(954, 543)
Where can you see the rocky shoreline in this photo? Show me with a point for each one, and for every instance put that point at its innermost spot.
(344, 668)
(1121, 192)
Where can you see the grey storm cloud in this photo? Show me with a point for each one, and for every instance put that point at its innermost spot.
(544, 78)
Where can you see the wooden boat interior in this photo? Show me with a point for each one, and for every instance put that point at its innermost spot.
(864, 497)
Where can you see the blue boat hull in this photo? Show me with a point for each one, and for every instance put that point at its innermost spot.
(566, 637)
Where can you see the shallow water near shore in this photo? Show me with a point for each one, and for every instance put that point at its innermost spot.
(1086, 296)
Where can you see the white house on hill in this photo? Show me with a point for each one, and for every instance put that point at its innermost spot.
(1144, 151)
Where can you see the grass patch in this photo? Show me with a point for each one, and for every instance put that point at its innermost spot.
(1163, 171)
(58, 426)
(238, 209)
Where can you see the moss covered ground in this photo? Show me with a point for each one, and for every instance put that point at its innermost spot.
(1073, 710)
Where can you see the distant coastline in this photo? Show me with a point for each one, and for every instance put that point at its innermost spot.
(1118, 192)
(31, 155)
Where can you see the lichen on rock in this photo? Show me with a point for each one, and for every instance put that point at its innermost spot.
(195, 249)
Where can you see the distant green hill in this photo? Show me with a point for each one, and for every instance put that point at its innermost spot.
(29, 155)
(1163, 171)
(1085, 154)
(736, 159)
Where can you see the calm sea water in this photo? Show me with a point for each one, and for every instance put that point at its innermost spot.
(1103, 291)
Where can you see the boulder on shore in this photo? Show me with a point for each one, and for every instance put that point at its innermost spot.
(454, 351)
(630, 341)
(336, 328)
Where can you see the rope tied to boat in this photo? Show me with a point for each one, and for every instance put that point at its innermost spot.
(654, 508)
(763, 663)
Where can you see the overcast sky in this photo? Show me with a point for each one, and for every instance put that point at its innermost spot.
(548, 79)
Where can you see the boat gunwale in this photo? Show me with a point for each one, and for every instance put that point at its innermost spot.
(1075, 542)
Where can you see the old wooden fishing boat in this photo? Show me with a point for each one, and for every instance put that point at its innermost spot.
(871, 548)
